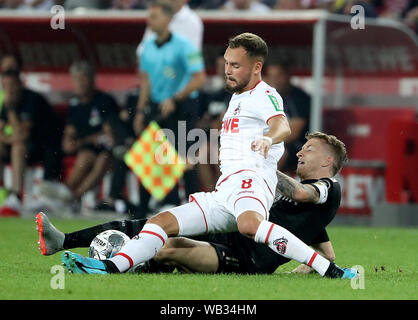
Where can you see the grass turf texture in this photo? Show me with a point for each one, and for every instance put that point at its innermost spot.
(26, 274)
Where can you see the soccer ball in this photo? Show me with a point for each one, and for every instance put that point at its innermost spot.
(107, 244)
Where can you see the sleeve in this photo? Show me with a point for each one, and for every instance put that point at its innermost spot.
(147, 34)
(321, 237)
(142, 56)
(322, 186)
(192, 58)
(271, 104)
(30, 106)
(3, 114)
(109, 108)
(72, 113)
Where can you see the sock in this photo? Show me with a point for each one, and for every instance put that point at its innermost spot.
(140, 248)
(288, 245)
(83, 238)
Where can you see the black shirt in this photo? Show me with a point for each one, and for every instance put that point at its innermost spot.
(88, 118)
(307, 221)
(297, 104)
(34, 108)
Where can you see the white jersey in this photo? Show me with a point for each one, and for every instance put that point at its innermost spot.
(245, 121)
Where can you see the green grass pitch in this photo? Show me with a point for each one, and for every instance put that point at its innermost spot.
(388, 256)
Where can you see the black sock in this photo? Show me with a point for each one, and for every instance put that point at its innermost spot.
(83, 238)
(110, 266)
(333, 271)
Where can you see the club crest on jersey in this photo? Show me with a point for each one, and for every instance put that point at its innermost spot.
(237, 110)
(281, 245)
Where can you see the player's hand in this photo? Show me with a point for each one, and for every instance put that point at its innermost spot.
(167, 107)
(261, 146)
(302, 268)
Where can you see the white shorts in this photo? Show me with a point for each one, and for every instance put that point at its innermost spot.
(217, 211)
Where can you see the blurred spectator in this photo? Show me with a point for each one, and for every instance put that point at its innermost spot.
(206, 4)
(10, 61)
(171, 72)
(215, 102)
(129, 4)
(390, 9)
(410, 15)
(269, 3)
(288, 5)
(84, 136)
(87, 4)
(318, 4)
(37, 4)
(344, 7)
(297, 107)
(249, 5)
(11, 4)
(28, 131)
(121, 135)
(185, 22)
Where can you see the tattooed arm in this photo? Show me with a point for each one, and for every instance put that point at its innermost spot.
(295, 190)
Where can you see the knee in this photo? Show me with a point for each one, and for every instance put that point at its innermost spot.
(248, 224)
(247, 228)
(18, 146)
(167, 221)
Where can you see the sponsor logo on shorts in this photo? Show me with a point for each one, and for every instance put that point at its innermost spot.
(244, 192)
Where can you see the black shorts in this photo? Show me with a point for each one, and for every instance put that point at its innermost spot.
(238, 254)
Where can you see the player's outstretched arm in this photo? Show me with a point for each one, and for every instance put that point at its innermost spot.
(279, 131)
(295, 190)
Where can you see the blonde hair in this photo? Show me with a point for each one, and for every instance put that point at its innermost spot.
(336, 146)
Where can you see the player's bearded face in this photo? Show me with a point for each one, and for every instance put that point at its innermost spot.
(233, 84)
(238, 70)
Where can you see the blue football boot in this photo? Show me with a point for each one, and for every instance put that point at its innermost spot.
(335, 272)
(76, 263)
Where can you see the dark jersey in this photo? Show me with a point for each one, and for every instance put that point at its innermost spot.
(34, 108)
(88, 118)
(307, 221)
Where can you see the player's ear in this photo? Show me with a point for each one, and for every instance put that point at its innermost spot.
(328, 161)
(258, 65)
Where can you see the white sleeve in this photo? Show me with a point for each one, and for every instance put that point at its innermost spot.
(270, 105)
(322, 188)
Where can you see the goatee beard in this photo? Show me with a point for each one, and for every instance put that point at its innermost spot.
(235, 89)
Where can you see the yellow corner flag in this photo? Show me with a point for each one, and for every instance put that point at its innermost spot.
(155, 161)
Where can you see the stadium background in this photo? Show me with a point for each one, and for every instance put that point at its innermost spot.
(368, 79)
(369, 84)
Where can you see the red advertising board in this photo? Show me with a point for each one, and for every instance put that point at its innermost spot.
(365, 130)
(363, 187)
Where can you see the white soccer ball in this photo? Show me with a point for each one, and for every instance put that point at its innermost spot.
(107, 244)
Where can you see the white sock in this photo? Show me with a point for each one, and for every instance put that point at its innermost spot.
(288, 245)
(140, 248)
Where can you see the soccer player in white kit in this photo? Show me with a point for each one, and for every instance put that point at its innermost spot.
(253, 130)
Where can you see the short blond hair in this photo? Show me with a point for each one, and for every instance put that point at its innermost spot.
(336, 146)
